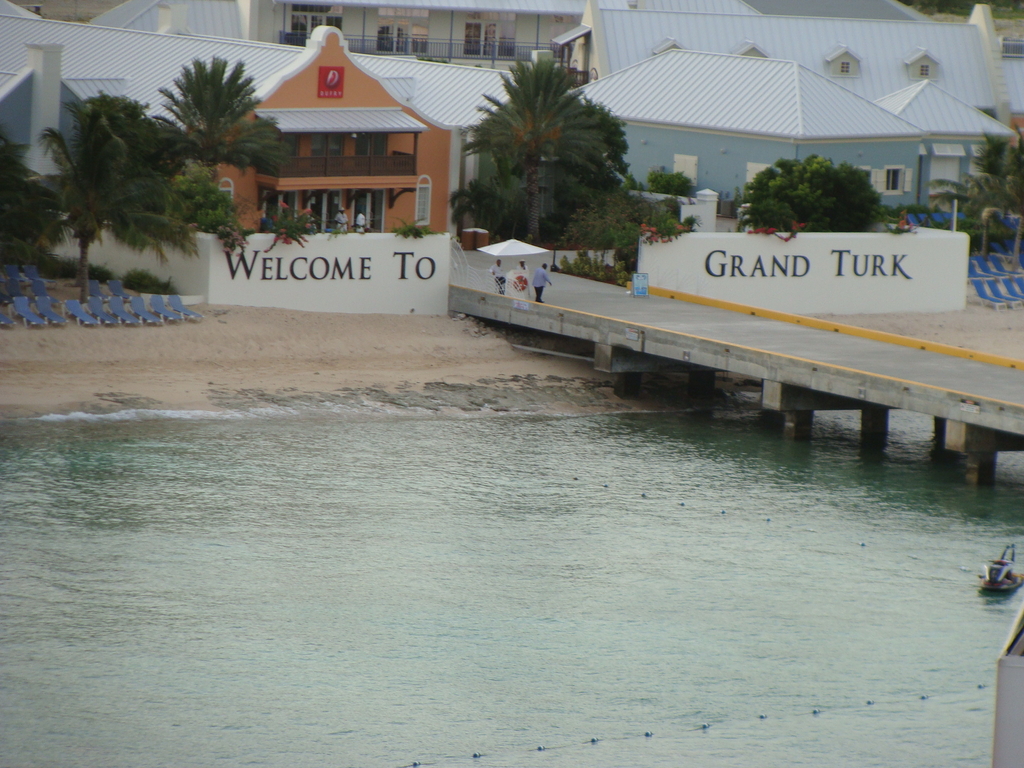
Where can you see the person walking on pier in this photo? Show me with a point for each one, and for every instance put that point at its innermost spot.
(499, 277)
(540, 279)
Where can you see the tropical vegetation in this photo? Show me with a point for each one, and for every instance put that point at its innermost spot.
(812, 195)
(541, 118)
(100, 188)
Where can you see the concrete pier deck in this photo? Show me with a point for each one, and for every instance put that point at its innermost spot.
(804, 369)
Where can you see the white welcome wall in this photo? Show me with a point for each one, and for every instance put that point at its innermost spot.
(817, 273)
(359, 274)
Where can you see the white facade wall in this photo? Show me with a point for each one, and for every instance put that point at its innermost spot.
(373, 273)
(817, 273)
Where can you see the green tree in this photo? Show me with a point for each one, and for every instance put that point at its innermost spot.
(211, 121)
(28, 213)
(813, 192)
(497, 203)
(98, 189)
(981, 194)
(541, 119)
(678, 184)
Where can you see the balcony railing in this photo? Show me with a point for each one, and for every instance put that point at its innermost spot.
(349, 165)
(386, 45)
(1013, 48)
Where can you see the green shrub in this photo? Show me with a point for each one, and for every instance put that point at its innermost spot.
(144, 281)
(678, 184)
(56, 267)
(414, 231)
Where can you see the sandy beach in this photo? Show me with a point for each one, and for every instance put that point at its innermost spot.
(243, 357)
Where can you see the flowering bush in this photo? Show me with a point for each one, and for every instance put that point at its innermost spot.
(794, 228)
(901, 227)
(290, 227)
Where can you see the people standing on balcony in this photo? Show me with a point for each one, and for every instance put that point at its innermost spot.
(341, 220)
(360, 222)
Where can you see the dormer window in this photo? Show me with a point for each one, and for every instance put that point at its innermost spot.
(843, 62)
(749, 48)
(921, 65)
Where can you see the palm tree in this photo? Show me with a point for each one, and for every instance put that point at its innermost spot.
(541, 119)
(97, 191)
(211, 110)
(981, 194)
(27, 207)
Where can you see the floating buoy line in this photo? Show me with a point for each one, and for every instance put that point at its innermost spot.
(502, 758)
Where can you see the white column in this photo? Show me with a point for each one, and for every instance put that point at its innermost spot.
(44, 59)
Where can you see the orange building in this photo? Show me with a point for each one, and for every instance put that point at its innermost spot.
(355, 146)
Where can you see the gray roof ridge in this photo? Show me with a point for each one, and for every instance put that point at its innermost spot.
(799, 100)
(791, 18)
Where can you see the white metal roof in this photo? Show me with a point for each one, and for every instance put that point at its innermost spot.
(846, 9)
(629, 36)
(743, 94)
(143, 61)
(684, 6)
(217, 18)
(10, 9)
(87, 87)
(542, 7)
(939, 113)
(1013, 69)
(445, 94)
(343, 120)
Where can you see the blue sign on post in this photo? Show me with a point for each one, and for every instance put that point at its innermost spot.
(640, 284)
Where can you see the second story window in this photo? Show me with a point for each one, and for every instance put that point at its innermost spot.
(484, 30)
(306, 18)
(371, 144)
(402, 30)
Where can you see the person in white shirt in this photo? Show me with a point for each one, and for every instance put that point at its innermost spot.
(360, 222)
(540, 279)
(341, 220)
(499, 277)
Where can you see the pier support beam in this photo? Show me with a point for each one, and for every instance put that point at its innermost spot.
(798, 425)
(627, 385)
(874, 425)
(939, 432)
(701, 385)
(982, 446)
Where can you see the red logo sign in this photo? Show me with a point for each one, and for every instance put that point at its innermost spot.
(332, 82)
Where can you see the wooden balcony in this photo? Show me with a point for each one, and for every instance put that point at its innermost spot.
(348, 165)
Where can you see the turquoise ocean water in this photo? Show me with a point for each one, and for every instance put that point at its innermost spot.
(322, 589)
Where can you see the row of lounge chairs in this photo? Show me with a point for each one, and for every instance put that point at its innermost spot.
(995, 286)
(44, 310)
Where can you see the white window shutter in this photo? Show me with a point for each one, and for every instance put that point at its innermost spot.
(686, 165)
(878, 179)
(908, 180)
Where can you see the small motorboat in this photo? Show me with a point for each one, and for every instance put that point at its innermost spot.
(998, 576)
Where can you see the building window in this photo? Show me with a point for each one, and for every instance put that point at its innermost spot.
(893, 180)
(485, 29)
(318, 144)
(306, 18)
(371, 144)
(402, 30)
(924, 71)
(844, 67)
(423, 200)
(227, 186)
(291, 144)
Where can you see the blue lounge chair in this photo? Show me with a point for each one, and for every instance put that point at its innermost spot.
(31, 271)
(156, 303)
(39, 289)
(117, 289)
(118, 310)
(97, 291)
(995, 265)
(22, 308)
(1010, 288)
(96, 307)
(12, 272)
(997, 293)
(6, 321)
(980, 287)
(179, 306)
(14, 287)
(4, 298)
(1000, 248)
(46, 307)
(139, 308)
(75, 309)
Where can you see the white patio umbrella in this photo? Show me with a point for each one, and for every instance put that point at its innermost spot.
(512, 249)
